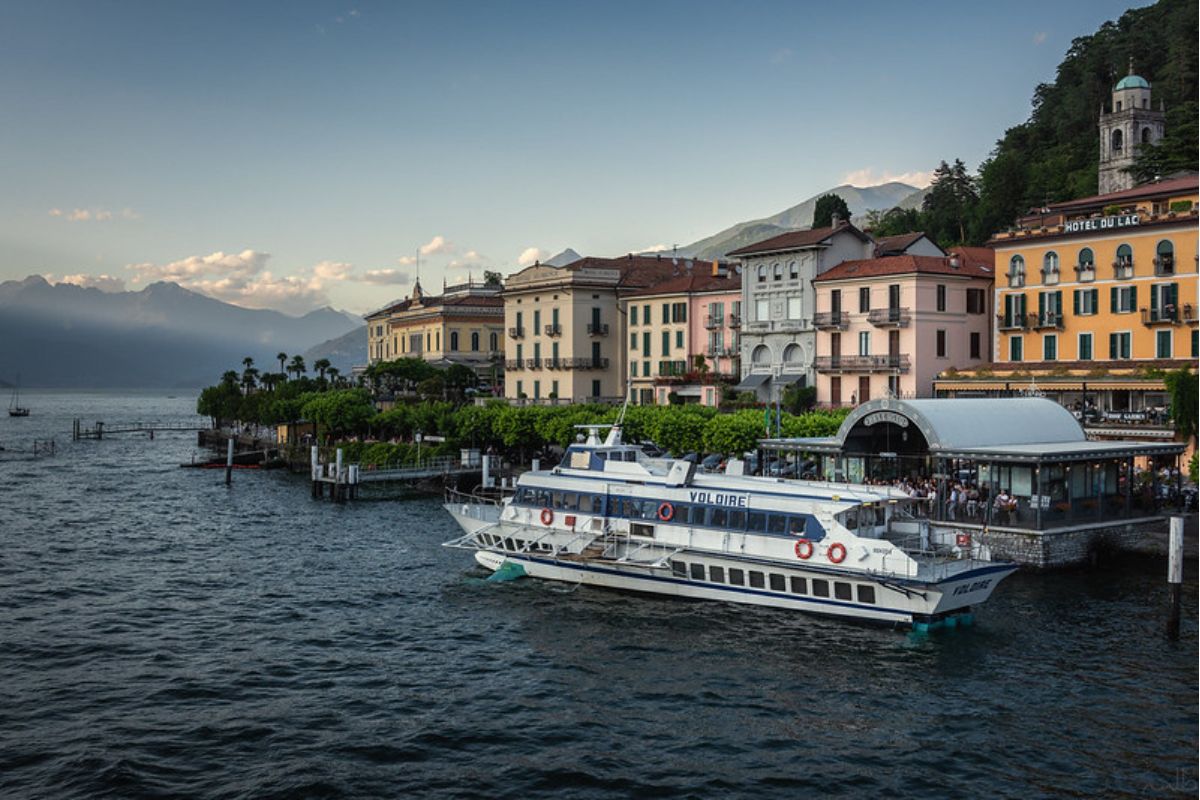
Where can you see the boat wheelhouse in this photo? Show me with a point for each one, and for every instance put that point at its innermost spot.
(610, 516)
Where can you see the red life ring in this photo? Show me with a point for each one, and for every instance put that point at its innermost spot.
(804, 548)
(963, 540)
(547, 516)
(666, 511)
(836, 553)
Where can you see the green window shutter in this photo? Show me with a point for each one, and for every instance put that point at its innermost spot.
(1112, 301)
(1173, 294)
(1075, 301)
(1133, 298)
(1112, 345)
(1041, 304)
(1058, 302)
(1095, 300)
(1153, 301)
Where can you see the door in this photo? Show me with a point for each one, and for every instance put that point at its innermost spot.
(864, 388)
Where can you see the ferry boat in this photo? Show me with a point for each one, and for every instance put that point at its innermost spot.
(610, 516)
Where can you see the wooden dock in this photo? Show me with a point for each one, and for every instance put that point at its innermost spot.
(99, 429)
(344, 481)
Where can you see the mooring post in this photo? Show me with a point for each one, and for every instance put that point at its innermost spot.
(99, 430)
(229, 462)
(485, 475)
(338, 479)
(535, 465)
(314, 471)
(1175, 575)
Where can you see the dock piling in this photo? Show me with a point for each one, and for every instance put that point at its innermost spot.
(1175, 576)
(229, 463)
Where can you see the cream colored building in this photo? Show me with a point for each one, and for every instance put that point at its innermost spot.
(463, 325)
(564, 327)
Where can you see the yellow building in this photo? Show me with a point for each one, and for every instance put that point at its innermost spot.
(463, 325)
(1094, 299)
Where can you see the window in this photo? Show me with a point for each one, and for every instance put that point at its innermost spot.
(777, 271)
(537, 352)
(554, 391)
(864, 299)
(633, 341)
(646, 314)
(554, 352)
(1085, 347)
(494, 342)
(1123, 299)
(761, 313)
(1050, 347)
(1124, 264)
(595, 388)
(835, 301)
(1016, 271)
(1164, 298)
(679, 569)
(537, 390)
(646, 369)
(1117, 137)
(633, 311)
(976, 301)
(666, 343)
(679, 312)
(595, 354)
(679, 339)
(1164, 259)
(1087, 264)
(1162, 344)
(793, 307)
(1087, 302)
(864, 343)
(737, 577)
(519, 349)
(757, 581)
(793, 270)
(976, 345)
(1195, 343)
(820, 587)
(1119, 345)
(520, 390)
(697, 572)
(633, 369)
(716, 574)
(941, 344)
(842, 591)
(762, 273)
(454, 341)
(666, 313)
(866, 594)
(1016, 349)
(799, 585)
(646, 343)
(1050, 268)
(778, 584)
(941, 297)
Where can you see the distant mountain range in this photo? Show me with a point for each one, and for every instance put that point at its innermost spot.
(860, 200)
(344, 352)
(63, 335)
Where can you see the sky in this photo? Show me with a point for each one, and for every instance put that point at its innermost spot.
(300, 154)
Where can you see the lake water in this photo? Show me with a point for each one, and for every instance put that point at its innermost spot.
(163, 635)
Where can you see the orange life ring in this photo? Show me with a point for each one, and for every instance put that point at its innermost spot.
(963, 540)
(804, 548)
(836, 553)
(666, 511)
(547, 516)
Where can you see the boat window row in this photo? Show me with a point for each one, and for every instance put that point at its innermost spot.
(790, 584)
(693, 514)
(515, 545)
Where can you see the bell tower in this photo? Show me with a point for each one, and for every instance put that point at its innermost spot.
(1130, 123)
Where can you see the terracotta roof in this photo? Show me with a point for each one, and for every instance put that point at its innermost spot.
(896, 245)
(686, 284)
(976, 256)
(906, 265)
(795, 240)
(392, 309)
(1171, 186)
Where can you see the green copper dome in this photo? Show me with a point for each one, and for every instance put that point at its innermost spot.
(1133, 82)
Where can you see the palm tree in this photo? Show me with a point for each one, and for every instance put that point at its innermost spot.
(297, 366)
(334, 372)
(321, 365)
(249, 377)
(230, 378)
(282, 358)
(247, 362)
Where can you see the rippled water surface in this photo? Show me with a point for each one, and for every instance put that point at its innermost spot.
(163, 635)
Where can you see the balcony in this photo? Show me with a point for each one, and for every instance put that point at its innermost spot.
(1164, 265)
(597, 329)
(1123, 270)
(533, 363)
(735, 320)
(1165, 315)
(516, 332)
(831, 321)
(584, 363)
(718, 352)
(1016, 322)
(1050, 277)
(896, 363)
(554, 329)
(889, 317)
(790, 325)
(1016, 279)
(1189, 313)
(1047, 319)
(711, 322)
(514, 364)
(1085, 273)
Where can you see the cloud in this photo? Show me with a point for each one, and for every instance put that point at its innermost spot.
(331, 271)
(782, 55)
(406, 261)
(240, 266)
(291, 294)
(1039, 37)
(436, 245)
(654, 248)
(105, 283)
(93, 214)
(384, 277)
(869, 177)
(530, 255)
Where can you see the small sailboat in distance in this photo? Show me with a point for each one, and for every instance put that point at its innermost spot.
(15, 409)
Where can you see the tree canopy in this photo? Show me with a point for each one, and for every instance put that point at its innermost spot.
(828, 205)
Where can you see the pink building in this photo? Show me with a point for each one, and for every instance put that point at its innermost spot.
(888, 326)
(683, 337)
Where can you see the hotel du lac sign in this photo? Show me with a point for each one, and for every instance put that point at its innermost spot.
(1102, 224)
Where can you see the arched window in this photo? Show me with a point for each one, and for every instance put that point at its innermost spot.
(1124, 256)
(1087, 259)
(453, 341)
(475, 341)
(1050, 268)
(791, 354)
(777, 268)
(1164, 261)
(762, 273)
(1117, 141)
(761, 355)
(1016, 271)
(793, 270)
(493, 343)
(1145, 136)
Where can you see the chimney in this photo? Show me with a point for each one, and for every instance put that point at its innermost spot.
(837, 220)
(954, 261)
(716, 269)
